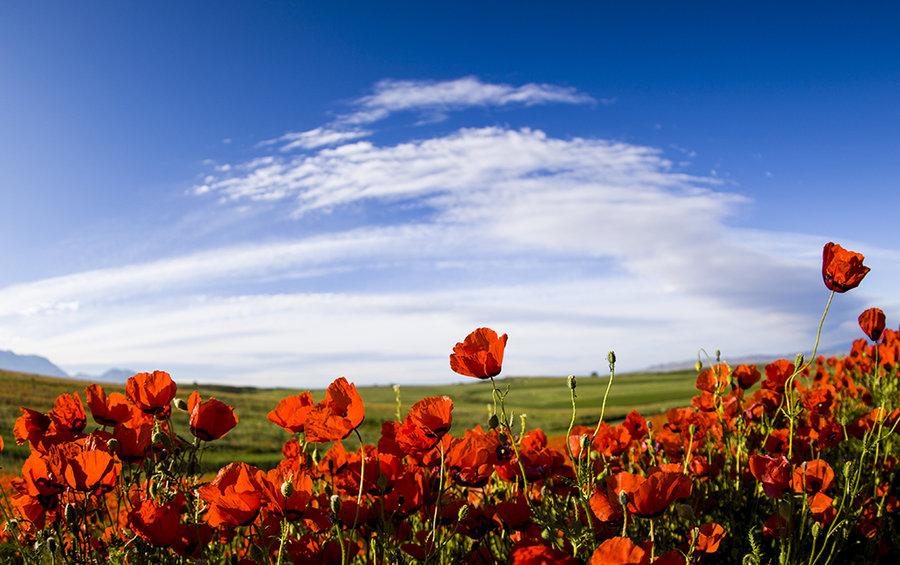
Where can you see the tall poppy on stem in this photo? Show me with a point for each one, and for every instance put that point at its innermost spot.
(338, 415)
(872, 323)
(480, 355)
(210, 419)
(290, 413)
(842, 270)
(152, 392)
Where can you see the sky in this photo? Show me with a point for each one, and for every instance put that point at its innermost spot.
(279, 193)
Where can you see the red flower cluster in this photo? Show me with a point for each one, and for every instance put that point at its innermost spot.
(796, 462)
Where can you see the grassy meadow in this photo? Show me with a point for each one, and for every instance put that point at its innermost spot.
(257, 441)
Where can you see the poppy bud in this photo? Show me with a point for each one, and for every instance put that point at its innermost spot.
(152, 488)
(815, 529)
(698, 366)
(180, 404)
(493, 422)
(570, 380)
(611, 357)
(692, 429)
(12, 524)
(798, 360)
(335, 504)
(585, 442)
(159, 437)
(623, 498)
(69, 513)
(51, 545)
(112, 444)
(463, 512)
(328, 490)
(287, 488)
(545, 534)
(718, 356)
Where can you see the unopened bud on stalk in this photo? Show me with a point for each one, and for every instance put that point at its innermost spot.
(12, 524)
(545, 534)
(585, 442)
(570, 380)
(112, 444)
(692, 429)
(695, 533)
(718, 356)
(69, 513)
(51, 545)
(180, 404)
(463, 512)
(493, 422)
(816, 528)
(698, 366)
(335, 504)
(623, 498)
(798, 360)
(287, 488)
(159, 437)
(611, 357)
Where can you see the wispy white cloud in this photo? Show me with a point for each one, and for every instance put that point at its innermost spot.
(318, 137)
(437, 97)
(572, 245)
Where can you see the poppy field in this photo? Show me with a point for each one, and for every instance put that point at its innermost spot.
(794, 462)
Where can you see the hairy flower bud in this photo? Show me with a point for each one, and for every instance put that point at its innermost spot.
(287, 488)
(623, 498)
(463, 512)
(70, 513)
(698, 366)
(798, 360)
(585, 442)
(112, 444)
(493, 422)
(335, 504)
(611, 357)
(180, 404)
(570, 380)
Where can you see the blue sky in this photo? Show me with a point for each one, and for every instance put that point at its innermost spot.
(288, 192)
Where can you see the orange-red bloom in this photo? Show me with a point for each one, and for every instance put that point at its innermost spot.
(746, 375)
(620, 551)
(709, 537)
(338, 415)
(68, 413)
(291, 412)
(234, 496)
(157, 524)
(152, 392)
(480, 355)
(773, 472)
(107, 410)
(813, 476)
(842, 270)
(91, 471)
(872, 323)
(30, 426)
(210, 419)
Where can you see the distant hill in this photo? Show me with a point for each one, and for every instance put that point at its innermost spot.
(760, 359)
(34, 364)
(110, 376)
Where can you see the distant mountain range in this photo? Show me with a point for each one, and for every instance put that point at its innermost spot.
(37, 365)
(760, 359)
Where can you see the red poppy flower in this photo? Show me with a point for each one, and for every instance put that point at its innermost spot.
(433, 415)
(234, 496)
(714, 379)
(812, 476)
(777, 373)
(338, 415)
(657, 492)
(134, 438)
(294, 506)
(91, 471)
(539, 554)
(157, 524)
(107, 410)
(709, 537)
(773, 472)
(842, 270)
(480, 355)
(68, 413)
(872, 323)
(291, 412)
(210, 419)
(152, 392)
(746, 375)
(821, 506)
(471, 459)
(619, 551)
(30, 426)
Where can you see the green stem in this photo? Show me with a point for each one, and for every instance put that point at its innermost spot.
(362, 476)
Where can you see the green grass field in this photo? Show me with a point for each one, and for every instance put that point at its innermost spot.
(255, 440)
